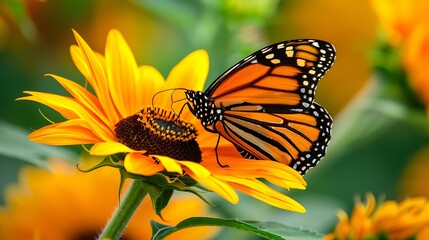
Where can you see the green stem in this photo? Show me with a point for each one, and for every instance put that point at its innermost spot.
(123, 213)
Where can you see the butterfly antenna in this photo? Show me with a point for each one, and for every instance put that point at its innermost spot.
(172, 99)
(166, 90)
(217, 156)
(179, 100)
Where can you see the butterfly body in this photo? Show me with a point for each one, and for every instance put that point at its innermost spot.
(264, 104)
(204, 109)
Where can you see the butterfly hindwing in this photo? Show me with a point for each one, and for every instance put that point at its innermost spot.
(296, 139)
(308, 159)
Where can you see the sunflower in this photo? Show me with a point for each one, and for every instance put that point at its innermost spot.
(415, 178)
(64, 203)
(399, 19)
(391, 220)
(128, 110)
(406, 25)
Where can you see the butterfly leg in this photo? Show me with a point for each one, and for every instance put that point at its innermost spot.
(183, 107)
(217, 156)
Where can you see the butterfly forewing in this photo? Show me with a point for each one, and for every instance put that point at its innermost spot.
(288, 70)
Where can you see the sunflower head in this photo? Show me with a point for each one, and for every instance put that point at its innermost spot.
(115, 114)
(159, 132)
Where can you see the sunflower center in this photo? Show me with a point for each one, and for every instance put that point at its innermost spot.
(159, 132)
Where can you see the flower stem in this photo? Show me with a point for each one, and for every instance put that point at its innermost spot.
(123, 213)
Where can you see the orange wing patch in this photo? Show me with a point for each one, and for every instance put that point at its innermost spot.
(243, 77)
(277, 83)
(286, 71)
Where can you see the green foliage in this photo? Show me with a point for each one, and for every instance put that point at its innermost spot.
(159, 196)
(15, 144)
(228, 29)
(374, 137)
(266, 230)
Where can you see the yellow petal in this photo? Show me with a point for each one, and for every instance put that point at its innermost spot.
(109, 148)
(218, 186)
(97, 79)
(142, 165)
(70, 132)
(79, 61)
(63, 105)
(122, 74)
(197, 169)
(191, 72)
(70, 109)
(287, 184)
(275, 172)
(259, 190)
(170, 164)
(151, 82)
(84, 97)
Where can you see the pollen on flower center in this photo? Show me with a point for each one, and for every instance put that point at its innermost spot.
(159, 132)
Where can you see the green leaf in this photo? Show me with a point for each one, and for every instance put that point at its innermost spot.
(24, 22)
(183, 184)
(159, 196)
(287, 231)
(159, 186)
(267, 230)
(14, 144)
(157, 227)
(163, 200)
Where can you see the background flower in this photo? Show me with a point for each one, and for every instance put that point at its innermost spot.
(65, 203)
(415, 177)
(387, 220)
(406, 27)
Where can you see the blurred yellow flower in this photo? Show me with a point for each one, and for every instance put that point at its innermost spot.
(399, 19)
(65, 203)
(415, 179)
(155, 139)
(393, 220)
(407, 26)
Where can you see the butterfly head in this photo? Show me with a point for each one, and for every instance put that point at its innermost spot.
(204, 109)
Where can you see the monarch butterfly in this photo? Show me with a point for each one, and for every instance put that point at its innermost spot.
(264, 104)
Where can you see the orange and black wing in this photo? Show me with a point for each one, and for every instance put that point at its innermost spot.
(265, 106)
(298, 139)
(285, 74)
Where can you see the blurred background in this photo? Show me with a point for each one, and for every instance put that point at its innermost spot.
(380, 121)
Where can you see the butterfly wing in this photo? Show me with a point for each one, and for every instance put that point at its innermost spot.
(298, 139)
(265, 106)
(282, 74)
